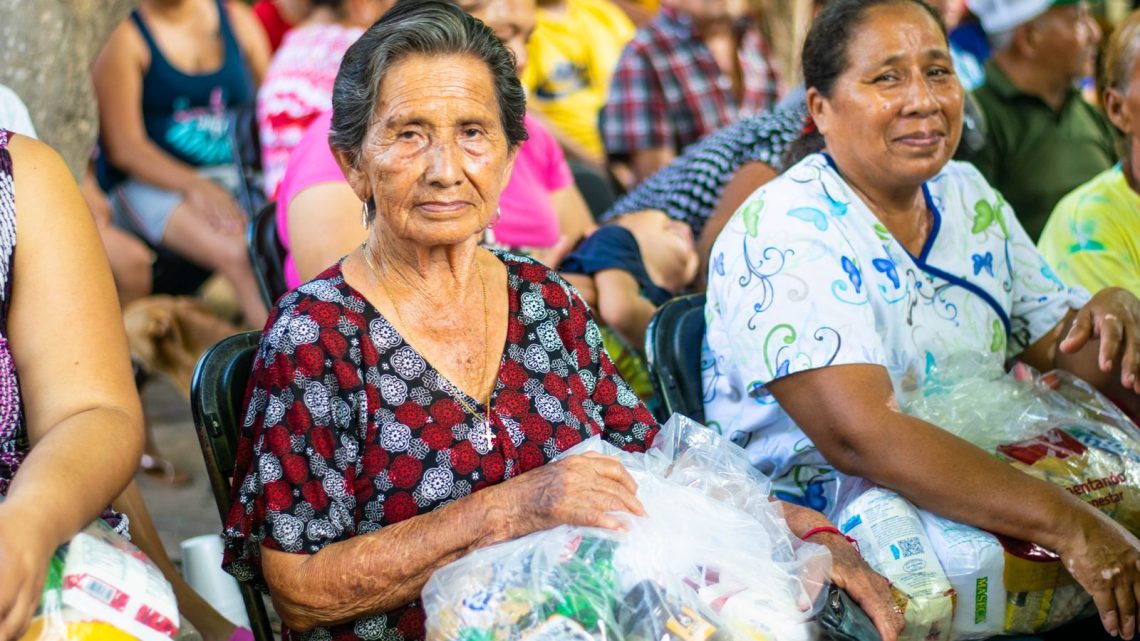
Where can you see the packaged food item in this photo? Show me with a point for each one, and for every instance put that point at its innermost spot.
(713, 560)
(974, 563)
(892, 540)
(100, 587)
(1088, 463)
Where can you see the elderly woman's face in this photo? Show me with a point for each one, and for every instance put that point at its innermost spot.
(435, 157)
(896, 111)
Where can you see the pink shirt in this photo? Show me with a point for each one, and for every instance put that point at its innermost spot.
(528, 216)
(297, 87)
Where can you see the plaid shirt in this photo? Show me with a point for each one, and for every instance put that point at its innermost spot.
(668, 90)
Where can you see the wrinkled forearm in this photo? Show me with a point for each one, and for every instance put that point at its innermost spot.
(380, 571)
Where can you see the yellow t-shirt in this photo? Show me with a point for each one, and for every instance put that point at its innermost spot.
(572, 55)
(1093, 237)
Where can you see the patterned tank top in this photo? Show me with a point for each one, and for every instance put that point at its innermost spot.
(13, 433)
(14, 444)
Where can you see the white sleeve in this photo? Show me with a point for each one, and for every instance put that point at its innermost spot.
(787, 292)
(1040, 298)
(14, 114)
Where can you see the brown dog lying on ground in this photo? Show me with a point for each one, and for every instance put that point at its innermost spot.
(167, 336)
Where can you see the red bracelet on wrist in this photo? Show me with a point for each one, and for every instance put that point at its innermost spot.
(830, 530)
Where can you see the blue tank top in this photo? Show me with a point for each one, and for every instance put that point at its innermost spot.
(188, 115)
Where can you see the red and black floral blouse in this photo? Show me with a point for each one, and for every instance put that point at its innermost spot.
(348, 429)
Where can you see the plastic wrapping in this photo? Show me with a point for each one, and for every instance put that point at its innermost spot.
(713, 560)
(1054, 427)
(99, 587)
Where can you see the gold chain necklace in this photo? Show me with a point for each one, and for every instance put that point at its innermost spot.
(487, 432)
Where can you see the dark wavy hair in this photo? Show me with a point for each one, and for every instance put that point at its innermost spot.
(825, 57)
(431, 27)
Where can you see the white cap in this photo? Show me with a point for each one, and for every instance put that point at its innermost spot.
(998, 16)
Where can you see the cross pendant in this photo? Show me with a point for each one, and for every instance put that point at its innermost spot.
(488, 432)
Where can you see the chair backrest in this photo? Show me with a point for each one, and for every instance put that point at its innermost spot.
(266, 254)
(673, 353)
(217, 393)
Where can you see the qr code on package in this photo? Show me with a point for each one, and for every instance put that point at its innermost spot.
(910, 547)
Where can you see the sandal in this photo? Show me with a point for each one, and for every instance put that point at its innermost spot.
(163, 471)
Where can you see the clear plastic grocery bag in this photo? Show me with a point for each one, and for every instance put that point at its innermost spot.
(712, 560)
(964, 583)
(101, 588)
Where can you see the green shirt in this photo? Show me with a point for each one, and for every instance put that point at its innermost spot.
(1034, 155)
(1093, 237)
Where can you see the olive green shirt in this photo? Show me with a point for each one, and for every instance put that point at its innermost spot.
(1034, 155)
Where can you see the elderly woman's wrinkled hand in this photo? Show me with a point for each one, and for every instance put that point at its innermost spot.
(1105, 559)
(578, 490)
(869, 589)
(1113, 316)
(24, 558)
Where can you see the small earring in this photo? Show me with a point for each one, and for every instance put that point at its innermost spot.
(364, 215)
(498, 215)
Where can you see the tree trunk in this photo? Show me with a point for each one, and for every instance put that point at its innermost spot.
(46, 59)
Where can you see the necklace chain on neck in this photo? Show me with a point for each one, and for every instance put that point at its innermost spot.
(486, 336)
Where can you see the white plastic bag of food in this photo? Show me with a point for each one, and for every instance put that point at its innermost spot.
(712, 560)
(101, 588)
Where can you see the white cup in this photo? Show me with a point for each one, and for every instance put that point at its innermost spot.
(202, 569)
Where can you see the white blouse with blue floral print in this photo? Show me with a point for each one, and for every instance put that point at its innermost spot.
(805, 276)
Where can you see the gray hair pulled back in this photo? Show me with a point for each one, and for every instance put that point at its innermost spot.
(429, 27)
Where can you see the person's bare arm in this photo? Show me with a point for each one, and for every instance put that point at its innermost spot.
(646, 162)
(77, 390)
(850, 413)
(575, 221)
(1100, 344)
(382, 570)
(117, 74)
(750, 177)
(622, 307)
(324, 225)
(251, 38)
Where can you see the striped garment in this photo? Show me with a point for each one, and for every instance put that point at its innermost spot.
(688, 188)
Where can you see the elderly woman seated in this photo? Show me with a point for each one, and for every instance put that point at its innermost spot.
(541, 211)
(876, 258)
(407, 404)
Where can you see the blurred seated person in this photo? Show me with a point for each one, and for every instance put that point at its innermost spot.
(632, 266)
(1043, 139)
(298, 83)
(1093, 236)
(406, 405)
(571, 58)
(541, 211)
(708, 182)
(68, 398)
(871, 260)
(637, 262)
(696, 67)
(166, 96)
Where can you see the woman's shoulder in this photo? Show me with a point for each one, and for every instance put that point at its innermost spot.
(326, 302)
(524, 272)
